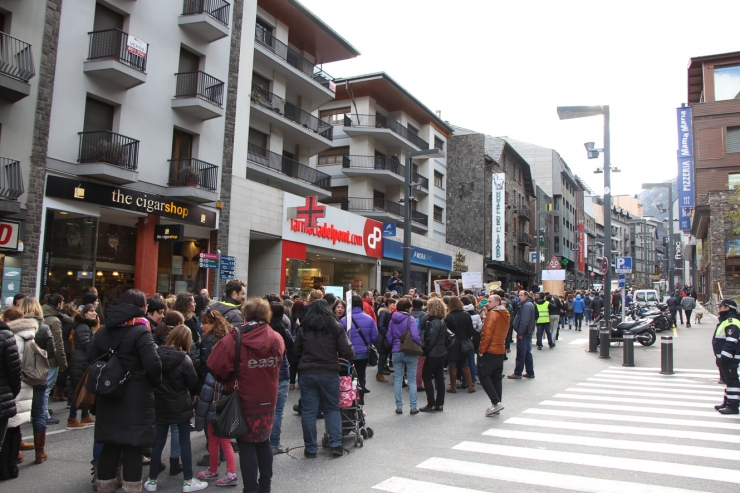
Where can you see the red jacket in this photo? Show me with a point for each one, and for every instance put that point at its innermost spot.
(260, 359)
(367, 308)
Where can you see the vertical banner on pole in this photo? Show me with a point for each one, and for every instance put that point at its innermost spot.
(498, 217)
(685, 167)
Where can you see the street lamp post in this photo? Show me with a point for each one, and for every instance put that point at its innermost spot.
(427, 153)
(669, 186)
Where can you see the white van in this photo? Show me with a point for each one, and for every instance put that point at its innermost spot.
(646, 296)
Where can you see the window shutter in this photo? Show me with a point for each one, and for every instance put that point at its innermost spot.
(733, 139)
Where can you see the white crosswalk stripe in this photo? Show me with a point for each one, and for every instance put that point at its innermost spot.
(633, 420)
(639, 369)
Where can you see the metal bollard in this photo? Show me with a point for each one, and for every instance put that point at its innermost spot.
(666, 355)
(628, 355)
(593, 338)
(604, 341)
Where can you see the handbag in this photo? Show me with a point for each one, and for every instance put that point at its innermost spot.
(228, 420)
(84, 399)
(466, 345)
(408, 345)
(107, 376)
(372, 352)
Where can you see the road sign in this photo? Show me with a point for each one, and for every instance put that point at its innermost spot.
(532, 257)
(622, 279)
(389, 229)
(623, 265)
(604, 265)
(228, 267)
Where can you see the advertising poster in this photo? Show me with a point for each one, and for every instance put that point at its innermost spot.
(444, 285)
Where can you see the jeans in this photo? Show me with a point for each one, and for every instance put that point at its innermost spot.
(491, 367)
(282, 396)
(73, 409)
(51, 379)
(555, 325)
(184, 438)
(255, 459)
(434, 368)
(471, 363)
(174, 442)
(508, 336)
(318, 390)
(688, 317)
(524, 355)
(543, 328)
(38, 409)
(579, 320)
(589, 315)
(401, 362)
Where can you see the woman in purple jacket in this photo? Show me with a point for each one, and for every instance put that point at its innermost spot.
(364, 323)
(401, 321)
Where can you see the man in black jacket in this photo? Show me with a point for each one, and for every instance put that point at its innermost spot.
(524, 327)
(597, 304)
(230, 306)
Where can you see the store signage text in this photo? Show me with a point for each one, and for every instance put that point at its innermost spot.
(498, 239)
(685, 164)
(9, 235)
(326, 231)
(150, 205)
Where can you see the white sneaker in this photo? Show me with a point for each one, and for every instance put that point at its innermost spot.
(194, 485)
(150, 485)
(494, 409)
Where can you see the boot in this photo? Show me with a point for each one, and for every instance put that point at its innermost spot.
(94, 473)
(175, 467)
(57, 394)
(380, 378)
(39, 442)
(132, 486)
(26, 445)
(12, 440)
(20, 458)
(106, 485)
(468, 379)
(453, 379)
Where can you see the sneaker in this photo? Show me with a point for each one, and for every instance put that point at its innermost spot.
(229, 480)
(494, 409)
(73, 424)
(208, 475)
(514, 376)
(193, 485)
(399, 410)
(150, 485)
(87, 421)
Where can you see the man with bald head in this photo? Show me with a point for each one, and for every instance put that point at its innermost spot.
(524, 324)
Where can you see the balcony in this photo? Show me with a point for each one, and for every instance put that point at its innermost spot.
(294, 177)
(303, 75)
(384, 129)
(116, 58)
(383, 169)
(299, 126)
(16, 68)
(383, 210)
(420, 180)
(108, 156)
(206, 19)
(11, 185)
(193, 179)
(523, 238)
(524, 211)
(198, 95)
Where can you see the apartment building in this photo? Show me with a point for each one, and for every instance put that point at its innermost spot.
(643, 239)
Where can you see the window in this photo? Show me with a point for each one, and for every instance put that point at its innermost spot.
(557, 244)
(438, 214)
(335, 116)
(413, 129)
(439, 144)
(733, 180)
(106, 18)
(263, 32)
(438, 179)
(98, 116)
(260, 81)
(727, 83)
(732, 271)
(333, 156)
(733, 139)
(182, 145)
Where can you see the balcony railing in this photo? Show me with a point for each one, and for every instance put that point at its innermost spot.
(104, 146)
(423, 181)
(419, 217)
(366, 205)
(382, 121)
(288, 167)
(524, 211)
(16, 58)
(199, 85)
(524, 238)
(11, 179)
(265, 98)
(292, 57)
(217, 9)
(193, 173)
(381, 163)
(113, 44)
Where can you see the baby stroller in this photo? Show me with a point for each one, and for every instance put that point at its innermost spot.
(353, 417)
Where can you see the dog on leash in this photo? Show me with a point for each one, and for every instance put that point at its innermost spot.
(697, 317)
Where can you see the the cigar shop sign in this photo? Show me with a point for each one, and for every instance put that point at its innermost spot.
(128, 199)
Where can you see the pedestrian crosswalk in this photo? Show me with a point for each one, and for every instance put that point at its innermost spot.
(623, 429)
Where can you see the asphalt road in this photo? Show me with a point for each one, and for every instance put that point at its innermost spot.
(583, 424)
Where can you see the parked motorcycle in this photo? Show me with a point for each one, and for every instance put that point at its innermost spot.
(643, 329)
(660, 314)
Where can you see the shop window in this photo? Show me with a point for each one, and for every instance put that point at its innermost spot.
(98, 116)
(335, 116)
(439, 179)
(438, 211)
(439, 144)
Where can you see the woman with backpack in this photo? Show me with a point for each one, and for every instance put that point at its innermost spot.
(402, 322)
(434, 337)
(85, 325)
(173, 404)
(125, 424)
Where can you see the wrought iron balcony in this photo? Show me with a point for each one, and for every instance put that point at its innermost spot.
(288, 167)
(268, 100)
(199, 85)
(382, 121)
(380, 163)
(11, 179)
(193, 173)
(523, 238)
(524, 211)
(104, 146)
(292, 57)
(16, 58)
(363, 205)
(216, 9)
(112, 44)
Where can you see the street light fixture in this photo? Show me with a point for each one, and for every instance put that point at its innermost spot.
(410, 156)
(570, 112)
(669, 186)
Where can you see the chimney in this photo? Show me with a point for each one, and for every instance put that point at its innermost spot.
(439, 114)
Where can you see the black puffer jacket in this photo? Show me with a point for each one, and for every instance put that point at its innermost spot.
(173, 402)
(130, 419)
(83, 334)
(209, 395)
(205, 351)
(317, 349)
(193, 326)
(461, 324)
(160, 335)
(10, 373)
(43, 338)
(434, 336)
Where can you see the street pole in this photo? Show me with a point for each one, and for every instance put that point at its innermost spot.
(670, 238)
(407, 224)
(538, 265)
(607, 218)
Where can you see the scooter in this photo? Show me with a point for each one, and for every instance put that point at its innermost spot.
(643, 330)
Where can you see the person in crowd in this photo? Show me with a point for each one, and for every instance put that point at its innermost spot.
(339, 308)
(173, 405)
(570, 312)
(434, 337)
(185, 304)
(688, 303)
(53, 316)
(579, 306)
(492, 353)
(15, 396)
(85, 325)
(362, 332)
(617, 301)
(469, 307)
(381, 343)
(17, 298)
(395, 283)
(554, 308)
(126, 425)
(297, 314)
(727, 352)
(257, 389)
(33, 315)
(276, 322)
(587, 313)
(597, 305)
(169, 301)
(60, 392)
(543, 321)
(231, 305)
(287, 308)
(524, 323)
(155, 314)
(400, 323)
(367, 306)
(417, 311)
(319, 343)
(461, 324)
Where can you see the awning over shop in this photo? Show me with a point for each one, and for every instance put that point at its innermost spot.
(510, 268)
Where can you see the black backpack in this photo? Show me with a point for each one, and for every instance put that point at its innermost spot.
(106, 375)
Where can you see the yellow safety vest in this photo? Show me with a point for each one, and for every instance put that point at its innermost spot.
(543, 310)
(721, 328)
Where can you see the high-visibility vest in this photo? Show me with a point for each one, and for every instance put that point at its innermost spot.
(543, 311)
(721, 328)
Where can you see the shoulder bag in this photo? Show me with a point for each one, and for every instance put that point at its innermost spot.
(228, 419)
(372, 352)
(84, 399)
(466, 345)
(106, 375)
(408, 345)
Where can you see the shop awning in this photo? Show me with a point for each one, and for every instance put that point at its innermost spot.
(509, 267)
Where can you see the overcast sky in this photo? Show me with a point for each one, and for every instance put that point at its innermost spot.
(502, 68)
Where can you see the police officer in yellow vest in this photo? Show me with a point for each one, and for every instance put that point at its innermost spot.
(543, 320)
(725, 345)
